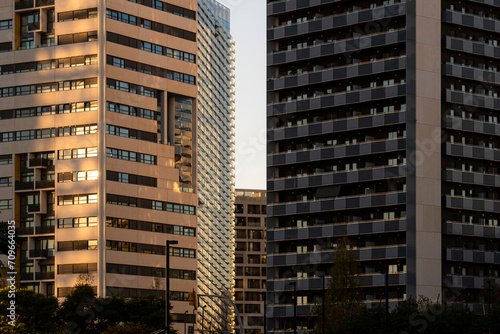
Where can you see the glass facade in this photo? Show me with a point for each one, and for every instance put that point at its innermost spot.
(215, 162)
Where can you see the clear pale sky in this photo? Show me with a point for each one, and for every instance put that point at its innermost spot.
(248, 27)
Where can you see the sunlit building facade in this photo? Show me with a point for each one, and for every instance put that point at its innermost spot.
(215, 165)
(250, 258)
(97, 144)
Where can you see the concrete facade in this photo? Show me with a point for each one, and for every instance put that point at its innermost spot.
(98, 122)
(250, 278)
(382, 119)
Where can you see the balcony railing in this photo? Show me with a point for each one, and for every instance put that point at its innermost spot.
(25, 230)
(40, 162)
(44, 275)
(25, 4)
(26, 276)
(24, 185)
(33, 208)
(43, 253)
(45, 229)
(33, 26)
(45, 184)
(40, 3)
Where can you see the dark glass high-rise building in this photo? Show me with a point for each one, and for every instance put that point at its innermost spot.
(382, 126)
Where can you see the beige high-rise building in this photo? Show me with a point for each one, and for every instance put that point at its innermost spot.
(97, 143)
(250, 276)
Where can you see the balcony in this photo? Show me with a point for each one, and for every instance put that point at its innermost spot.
(41, 3)
(33, 26)
(39, 253)
(44, 275)
(45, 229)
(45, 184)
(26, 276)
(25, 231)
(24, 185)
(33, 208)
(40, 162)
(24, 4)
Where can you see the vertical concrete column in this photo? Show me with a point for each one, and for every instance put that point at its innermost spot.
(424, 148)
(101, 81)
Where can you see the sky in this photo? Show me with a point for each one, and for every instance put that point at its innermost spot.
(248, 28)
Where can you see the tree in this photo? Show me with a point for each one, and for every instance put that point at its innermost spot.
(491, 295)
(35, 312)
(343, 295)
(128, 329)
(79, 309)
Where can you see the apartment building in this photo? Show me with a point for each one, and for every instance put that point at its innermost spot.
(250, 278)
(98, 113)
(382, 126)
(215, 166)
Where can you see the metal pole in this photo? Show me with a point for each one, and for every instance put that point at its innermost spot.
(264, 295)
(185, 321)
(323, 321)
(167, 286)
(202, 319)
(295, 308)
(489, 296)
(387, 302)
(167, 282)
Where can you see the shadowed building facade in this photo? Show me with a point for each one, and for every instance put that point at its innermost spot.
(382, 126)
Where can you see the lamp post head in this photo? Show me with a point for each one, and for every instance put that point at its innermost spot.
(172, 242)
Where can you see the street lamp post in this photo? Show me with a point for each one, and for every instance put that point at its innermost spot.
(167, 282)
(264, 297)
(185, 320)
(489, 296)
(294, 306)
(202, 318)
(323, 320)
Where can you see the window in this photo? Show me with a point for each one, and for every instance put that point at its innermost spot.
(144, 68)
(6, 46)
(5, 24)
(78, 37)
(5, 204)
(6, 159)
(76, 245)
(77, 153)
(77, 15)
(5, 182)
(77, 199)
